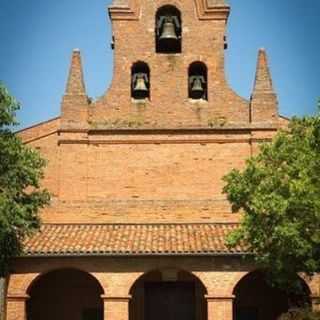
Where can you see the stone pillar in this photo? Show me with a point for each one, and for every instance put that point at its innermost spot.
(16, 307)
(315, 300)
(220, 308)
(115, 308)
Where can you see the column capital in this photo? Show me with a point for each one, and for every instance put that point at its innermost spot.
(18, 297)
(315, 299)
(125, 298)
(226, 297)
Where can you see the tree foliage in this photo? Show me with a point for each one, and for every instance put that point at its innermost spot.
(21, 170)
(300, 314)
(278, 192)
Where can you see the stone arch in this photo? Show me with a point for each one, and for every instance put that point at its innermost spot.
(168, 290)
(30, 281)
(255, 298)
(19, 283)
(66, 293)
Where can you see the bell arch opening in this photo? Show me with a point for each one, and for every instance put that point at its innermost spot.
(170, 295)
(65, 294)
(198, 81)
(168, 30)
(256, 299)
(140, 81)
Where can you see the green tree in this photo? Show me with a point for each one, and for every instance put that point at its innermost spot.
(300, 314)
(278, 192)
(21, 197)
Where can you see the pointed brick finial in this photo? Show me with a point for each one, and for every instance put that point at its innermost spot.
(75, 84)
(263, 81)
(264, 102)
(74, 106)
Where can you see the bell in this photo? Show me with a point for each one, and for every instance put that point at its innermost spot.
(168, 29)
(197, 91)
(140, 88)
(140, 83)
(197, 85)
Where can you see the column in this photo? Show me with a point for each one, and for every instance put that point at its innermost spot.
(115, 308)
(16, 307)
(220, 307)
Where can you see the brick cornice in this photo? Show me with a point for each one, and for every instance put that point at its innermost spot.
(207, 11)
(40, 136)
(130, 10)
(158, 141)
(181, 131)
(162, 136)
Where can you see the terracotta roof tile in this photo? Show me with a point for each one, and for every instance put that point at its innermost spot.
(130, 239)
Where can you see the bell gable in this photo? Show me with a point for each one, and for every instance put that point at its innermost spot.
(169, 72)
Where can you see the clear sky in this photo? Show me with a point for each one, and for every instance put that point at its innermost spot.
(37, 38)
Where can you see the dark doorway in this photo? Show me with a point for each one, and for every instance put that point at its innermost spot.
(156, 297)
(247, 313)
(170, 301)
(65, 295)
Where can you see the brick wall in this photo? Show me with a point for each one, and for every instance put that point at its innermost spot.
(112, 161)
(116, 176)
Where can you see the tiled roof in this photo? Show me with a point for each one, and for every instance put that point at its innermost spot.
(130, 239)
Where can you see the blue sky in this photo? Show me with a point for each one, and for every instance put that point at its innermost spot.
(37, 38)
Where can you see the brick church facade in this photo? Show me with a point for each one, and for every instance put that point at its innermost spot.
(137, 225)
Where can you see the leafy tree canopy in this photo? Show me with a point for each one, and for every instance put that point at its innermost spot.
(279, 193)
(300, 314)
(21, 169)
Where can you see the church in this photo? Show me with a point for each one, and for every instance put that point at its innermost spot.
(137, 224)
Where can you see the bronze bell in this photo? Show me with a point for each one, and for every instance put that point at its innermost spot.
(196, 87)
(139, 85)
(169, 29)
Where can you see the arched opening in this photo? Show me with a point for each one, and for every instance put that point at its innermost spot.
(168, 30)
(198, 81)
(140, 81)
(169, 295)
(256, 299)
(65, 294)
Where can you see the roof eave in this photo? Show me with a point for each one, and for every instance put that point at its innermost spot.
(138, 255)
